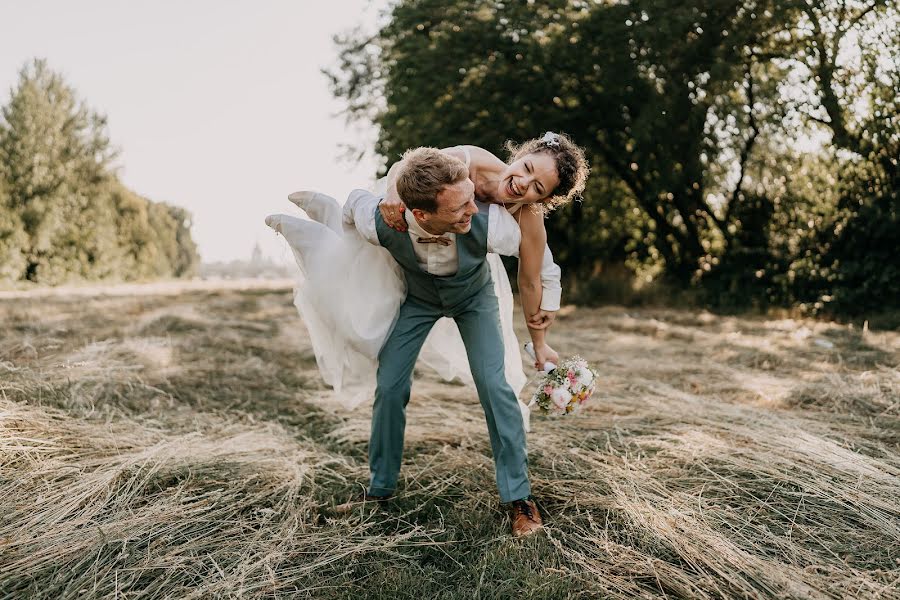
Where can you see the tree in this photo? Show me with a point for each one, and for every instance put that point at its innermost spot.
(64, 215)
(634, 83)
(55, 154)
(847, 53)
(12, 239)
(690, 112)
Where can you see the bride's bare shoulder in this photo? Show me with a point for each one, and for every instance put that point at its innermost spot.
(456, 152)
(479, 157)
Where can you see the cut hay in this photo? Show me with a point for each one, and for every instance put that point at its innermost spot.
(180, 445)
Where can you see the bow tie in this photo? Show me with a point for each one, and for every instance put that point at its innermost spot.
(434, 240)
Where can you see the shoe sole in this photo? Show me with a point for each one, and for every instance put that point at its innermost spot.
(529, 532)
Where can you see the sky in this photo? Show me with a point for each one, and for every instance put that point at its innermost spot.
(216, 106)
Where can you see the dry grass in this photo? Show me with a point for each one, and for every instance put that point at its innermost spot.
(179, 444)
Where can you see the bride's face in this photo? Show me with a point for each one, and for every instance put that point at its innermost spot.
(532, 178)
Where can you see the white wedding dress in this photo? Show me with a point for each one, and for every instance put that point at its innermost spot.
(349, 293)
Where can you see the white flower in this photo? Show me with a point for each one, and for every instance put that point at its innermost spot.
(585, 377)
(551, 139)
(561, 397)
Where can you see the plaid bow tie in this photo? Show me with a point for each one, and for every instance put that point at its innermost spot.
(435, 240)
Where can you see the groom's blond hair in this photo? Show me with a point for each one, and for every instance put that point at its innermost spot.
(426, 171)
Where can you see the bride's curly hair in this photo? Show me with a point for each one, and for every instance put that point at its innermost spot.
(571, 165)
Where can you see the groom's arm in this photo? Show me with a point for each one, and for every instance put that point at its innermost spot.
(505, 237)
(359, 211)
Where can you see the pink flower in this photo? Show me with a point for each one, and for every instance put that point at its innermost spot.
(561, 397)
(548, 389)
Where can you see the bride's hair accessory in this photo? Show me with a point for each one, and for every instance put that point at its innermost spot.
(550, 139)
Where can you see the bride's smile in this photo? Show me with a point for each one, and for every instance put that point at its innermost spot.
(511, 188)
(530, 179)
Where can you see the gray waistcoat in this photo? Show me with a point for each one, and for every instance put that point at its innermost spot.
(442, 292)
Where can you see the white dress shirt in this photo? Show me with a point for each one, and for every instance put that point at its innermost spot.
(503, 237)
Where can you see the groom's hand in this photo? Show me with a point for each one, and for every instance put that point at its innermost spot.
(542, 319)
(392, 210)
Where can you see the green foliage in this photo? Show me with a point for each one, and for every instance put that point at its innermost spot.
(691, 115)
(64, 216)
(12, 239)
(855, 268)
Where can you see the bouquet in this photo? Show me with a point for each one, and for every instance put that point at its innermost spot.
(565, 388)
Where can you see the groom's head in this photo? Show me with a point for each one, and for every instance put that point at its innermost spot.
(437, 188)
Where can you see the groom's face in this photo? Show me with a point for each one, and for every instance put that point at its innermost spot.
(455, 207)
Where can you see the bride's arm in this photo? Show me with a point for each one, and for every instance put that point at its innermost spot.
(532, 269)
(359, 212)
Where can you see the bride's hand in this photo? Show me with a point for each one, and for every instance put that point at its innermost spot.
(544, 354)
(392, 211)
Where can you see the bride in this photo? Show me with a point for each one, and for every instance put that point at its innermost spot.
(350, 291)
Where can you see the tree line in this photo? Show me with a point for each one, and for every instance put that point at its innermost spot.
(743, 151)
(64, 214)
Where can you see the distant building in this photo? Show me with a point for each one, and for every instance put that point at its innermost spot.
(257, 267)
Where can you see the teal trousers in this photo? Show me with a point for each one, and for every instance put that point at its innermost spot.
(478, 319)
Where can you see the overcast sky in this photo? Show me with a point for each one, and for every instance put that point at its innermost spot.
(217, 106)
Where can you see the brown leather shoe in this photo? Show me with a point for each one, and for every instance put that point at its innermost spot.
(361, 499)
(525, 517)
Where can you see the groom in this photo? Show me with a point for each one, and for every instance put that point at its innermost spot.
(444, 216)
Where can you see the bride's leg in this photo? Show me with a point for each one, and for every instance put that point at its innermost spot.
(308, 240)
(319, 207)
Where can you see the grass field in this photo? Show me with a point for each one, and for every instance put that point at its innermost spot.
(176, 443)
